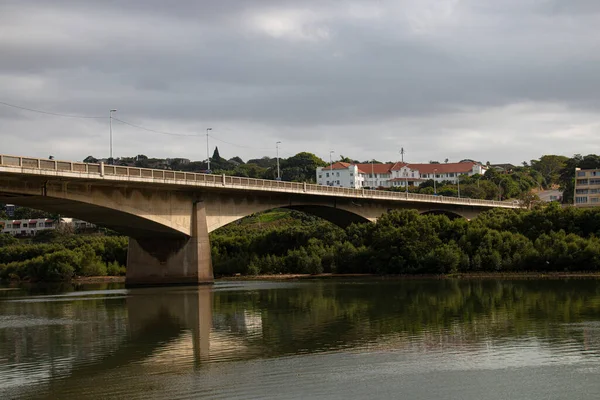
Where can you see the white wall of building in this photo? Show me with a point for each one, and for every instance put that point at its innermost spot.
(340, 177)
(345, 175)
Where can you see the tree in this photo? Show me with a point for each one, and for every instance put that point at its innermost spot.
(216, 157)
(301, 168)
(549, 166)
(237, 160)
(528, 199)
(264, 162)
(90, 159)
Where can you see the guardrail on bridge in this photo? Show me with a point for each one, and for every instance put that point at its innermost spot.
(198, 179)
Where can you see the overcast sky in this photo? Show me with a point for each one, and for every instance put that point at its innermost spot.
(497, 80)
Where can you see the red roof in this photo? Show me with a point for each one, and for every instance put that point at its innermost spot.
(375, 168)
(337, 165)
(369, 168)
(442, 168)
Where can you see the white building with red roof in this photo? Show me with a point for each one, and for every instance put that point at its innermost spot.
(394, 175)
(341, 174)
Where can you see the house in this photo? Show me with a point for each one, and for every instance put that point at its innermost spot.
(398, 174)
(31, 227)
(550, 195)
(506, 168)
(341, 174)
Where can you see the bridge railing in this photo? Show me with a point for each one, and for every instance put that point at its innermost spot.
(181, 177)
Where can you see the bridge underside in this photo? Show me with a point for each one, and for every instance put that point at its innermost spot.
(125, 223)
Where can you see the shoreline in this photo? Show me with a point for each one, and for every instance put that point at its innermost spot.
(290, 277)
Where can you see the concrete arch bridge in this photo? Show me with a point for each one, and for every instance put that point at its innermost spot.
(169, 214)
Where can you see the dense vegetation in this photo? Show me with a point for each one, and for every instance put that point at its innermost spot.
(401, 242)
(62, 257)
(404, 242)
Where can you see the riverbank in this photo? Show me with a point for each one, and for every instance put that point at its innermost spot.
(289, 277)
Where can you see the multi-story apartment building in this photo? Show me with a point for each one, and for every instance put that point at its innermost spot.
(393, 175)
(587, 187)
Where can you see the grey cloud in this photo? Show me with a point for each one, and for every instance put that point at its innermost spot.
(411, 69)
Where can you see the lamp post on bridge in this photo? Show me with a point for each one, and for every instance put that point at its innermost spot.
(434, 184)
(110, 113)
(278, 173)
(208, 171)
(458, 182)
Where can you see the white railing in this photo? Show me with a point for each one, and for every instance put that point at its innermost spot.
(195, 179)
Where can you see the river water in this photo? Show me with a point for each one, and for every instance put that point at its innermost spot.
(370, 339)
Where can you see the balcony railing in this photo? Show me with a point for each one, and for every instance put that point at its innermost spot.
(26, 164)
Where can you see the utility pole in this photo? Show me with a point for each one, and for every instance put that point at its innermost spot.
(372, 175)
(331, 166)
(278, 173)
(208, 171)
(458, 181)
(111, 117)
(434, 185)
(406, 169)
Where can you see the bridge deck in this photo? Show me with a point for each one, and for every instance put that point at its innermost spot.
(80, 170)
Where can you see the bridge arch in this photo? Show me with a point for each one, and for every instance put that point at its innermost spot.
(337, 216)
(448, 213)
(125, 220)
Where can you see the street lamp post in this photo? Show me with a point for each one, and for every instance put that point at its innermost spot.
(458, 182)
(434, 184)
(110, 123)
(208, 151)
(278, 173)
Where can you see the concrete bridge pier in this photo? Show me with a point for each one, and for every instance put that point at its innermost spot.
(172, 260)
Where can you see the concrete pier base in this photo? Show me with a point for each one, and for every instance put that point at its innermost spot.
(172, 261)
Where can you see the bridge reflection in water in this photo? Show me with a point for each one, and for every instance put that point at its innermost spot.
(155, 342)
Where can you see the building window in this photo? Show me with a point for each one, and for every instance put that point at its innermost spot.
(320, 176)
(581, 199)
(327, 174)
(24, 225)
(594, 181)
(580, 173)
(582, 191)
(582, 181)
(595, 199)
(337, 174)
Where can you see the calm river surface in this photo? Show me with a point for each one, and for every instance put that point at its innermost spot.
(394, 339)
